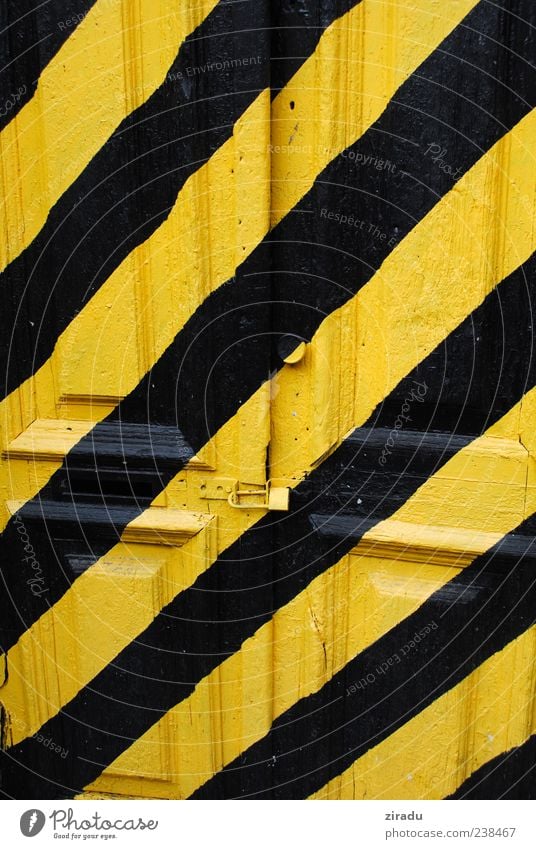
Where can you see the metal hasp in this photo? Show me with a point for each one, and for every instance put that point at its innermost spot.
(267, 497)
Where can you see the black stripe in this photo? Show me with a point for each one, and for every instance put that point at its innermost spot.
(240, 373)
(267, 567)
(458, 100)
(459, 627)
(129, 188)
(154, 454)
(510, 775)
(31, 33)
(296, 29)
(81, 515)
(325, 264)
(221, 356)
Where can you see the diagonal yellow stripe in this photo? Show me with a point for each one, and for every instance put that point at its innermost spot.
(158, 286)
(113, 61)
(181, 257)
(430, 757)
(477, 235)
(507, 166)
(117, 598)
(463, 218)
(342, 612)
(380, 43)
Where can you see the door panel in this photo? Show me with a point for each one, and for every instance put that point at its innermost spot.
(267, 467)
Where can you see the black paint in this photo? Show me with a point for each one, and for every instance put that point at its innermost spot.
(511, 775)
(502, 308)
(107, 480)
(479, 612)
(31, 33)
(129, 188)
(296, 27)
(317, 264)
(223, 355)
(267, 567)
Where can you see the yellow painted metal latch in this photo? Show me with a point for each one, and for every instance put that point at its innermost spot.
(261, 497)
(265, 498)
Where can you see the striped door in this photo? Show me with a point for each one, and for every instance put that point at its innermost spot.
(268, 399)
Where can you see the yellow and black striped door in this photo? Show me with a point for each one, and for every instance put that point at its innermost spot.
(268, 399)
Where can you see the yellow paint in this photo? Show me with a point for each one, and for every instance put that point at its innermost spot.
(111, 603)
(360, 61)
(342, 611)
(110, 64)
(191, 255)
(479, 233)
(351, 404)
(472, 239)
(484, 486)
(177, 270)
(437, 750)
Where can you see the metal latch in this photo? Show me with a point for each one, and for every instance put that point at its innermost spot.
(266, 498)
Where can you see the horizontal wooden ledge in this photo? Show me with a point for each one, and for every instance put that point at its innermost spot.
(441, 545)
(162, 526)
(52, 439)
(47, 439)
(155, 526)
(411, 453)
(91, 400)
(419, 543)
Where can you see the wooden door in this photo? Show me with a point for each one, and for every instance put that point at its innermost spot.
(268, 471)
